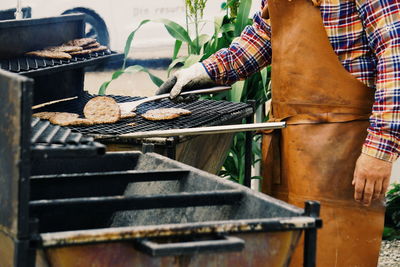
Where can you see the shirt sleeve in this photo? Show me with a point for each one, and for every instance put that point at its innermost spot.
(246, 55)
(381, 20)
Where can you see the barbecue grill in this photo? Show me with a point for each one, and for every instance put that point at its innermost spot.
(63, 79)
(148, 209)
(63, 199)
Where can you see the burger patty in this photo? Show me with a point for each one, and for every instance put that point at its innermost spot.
(44, 115)
(49, 54)
(165, 113)
(69, 119)
(64, 48)
(92, 45)
(102, 109)
(81, 42)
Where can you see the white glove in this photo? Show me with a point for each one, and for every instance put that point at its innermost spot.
(194, 77)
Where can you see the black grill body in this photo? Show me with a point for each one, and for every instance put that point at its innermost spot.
(146, 208)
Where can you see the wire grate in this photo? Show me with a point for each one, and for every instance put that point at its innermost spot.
(27, 64)
(204, 113)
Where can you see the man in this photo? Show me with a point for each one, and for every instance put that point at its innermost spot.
(329, 144)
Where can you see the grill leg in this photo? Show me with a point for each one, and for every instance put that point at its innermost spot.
(171, 147)
(310, 238)
(147, 148)
(25, 255)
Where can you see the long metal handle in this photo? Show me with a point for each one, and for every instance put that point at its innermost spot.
(131, 106)
(208, 130)
(226, 244)
(199, 91)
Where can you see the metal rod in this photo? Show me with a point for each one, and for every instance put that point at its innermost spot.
(310, 236)
(53, 102)
(131, 232)
(208, 130)
(119, 203)
(105, 183)
(18, 11)
(127, 107)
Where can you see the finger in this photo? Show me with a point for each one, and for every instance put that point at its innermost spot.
(377, 190)
(353, 182)
(359, 185)
(176, 90)
(385, 186)
(368, 192)
(166, 87)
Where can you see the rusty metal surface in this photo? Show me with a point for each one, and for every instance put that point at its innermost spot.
(129, 233)
(10, 148)
(7, 249)
(261, 249)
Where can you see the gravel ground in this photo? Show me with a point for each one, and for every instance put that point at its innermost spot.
(390, 254)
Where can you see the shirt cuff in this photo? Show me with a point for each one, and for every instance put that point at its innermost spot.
(381, 147)
(207, 68)
(211, 68)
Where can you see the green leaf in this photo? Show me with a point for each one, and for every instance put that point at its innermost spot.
(175, 30)
(201, 41)
(137, 68)
(218, 23)
(390, 233)
(192, 59)
(128, 43)
(237, 91)
(264, 79)
(230, 166)
(103, 88)
(227, 28)
(175, 62)
(243, 16)
(132, 69)
(114, 76)
(177, 48)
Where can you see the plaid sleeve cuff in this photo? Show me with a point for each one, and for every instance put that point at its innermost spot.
(381, 146)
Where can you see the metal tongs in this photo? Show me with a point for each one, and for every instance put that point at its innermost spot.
(128, 107)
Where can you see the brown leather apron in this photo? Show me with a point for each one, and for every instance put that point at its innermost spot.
(327, 111)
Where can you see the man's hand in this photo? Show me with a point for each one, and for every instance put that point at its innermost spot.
(194, 77)
(371, 178)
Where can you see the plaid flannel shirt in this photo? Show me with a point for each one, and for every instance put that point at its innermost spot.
(365, 35)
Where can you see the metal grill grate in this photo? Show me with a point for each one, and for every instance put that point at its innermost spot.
(204, 113)
(52, 140)
(24, 65)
